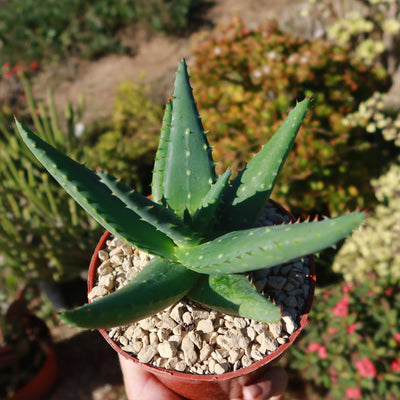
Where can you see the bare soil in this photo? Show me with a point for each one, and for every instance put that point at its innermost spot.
(155, 56)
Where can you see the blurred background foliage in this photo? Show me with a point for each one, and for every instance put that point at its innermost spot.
(57, 29)
(245, 81)
(43, 235)
(127, 144)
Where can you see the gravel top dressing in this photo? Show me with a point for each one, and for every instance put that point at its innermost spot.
(189, 338)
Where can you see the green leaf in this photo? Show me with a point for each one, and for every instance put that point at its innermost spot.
(155, 214)
(259, 176)
(84, 186)
(159, 285)
(234, 294)
(189, 168)
(157, 184)
(257, 248)
(205, 215)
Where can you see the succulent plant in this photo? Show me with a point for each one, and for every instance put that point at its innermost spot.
(200, 227)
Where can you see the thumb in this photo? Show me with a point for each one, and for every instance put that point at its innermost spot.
(270, 386)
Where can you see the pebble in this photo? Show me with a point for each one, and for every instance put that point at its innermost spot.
(205, 325)
(205, 351)
(97, 292)
(289, 325)
(103, 255)
(276, 282)
(189, 351)
(147, 353)
(167, 349)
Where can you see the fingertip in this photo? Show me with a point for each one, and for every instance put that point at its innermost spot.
(270, 385)
(256, 391)
(142, 385)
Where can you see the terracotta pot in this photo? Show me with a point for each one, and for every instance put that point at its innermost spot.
(205, 387)
(41, 384)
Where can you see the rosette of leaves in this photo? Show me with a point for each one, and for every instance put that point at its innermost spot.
(199, 226)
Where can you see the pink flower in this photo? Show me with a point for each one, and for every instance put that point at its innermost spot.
(395, 365)
(342, 307)
(6, 66)
(366, 368)
(353, 393)
(397, 337)
(315, 346)
(347, 287)
(351, 329)
(322, 353)
(332, 331)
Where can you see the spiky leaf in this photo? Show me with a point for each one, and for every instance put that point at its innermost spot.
(96, 198)
(155, 214)
(157, 184)
(206, 213)
(159, 285)
(259, 176)
(257, 248)
(189, 168)
(234, 294)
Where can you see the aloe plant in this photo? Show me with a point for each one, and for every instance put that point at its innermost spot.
(200, 227)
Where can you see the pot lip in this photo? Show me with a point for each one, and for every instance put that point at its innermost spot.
(95, 262)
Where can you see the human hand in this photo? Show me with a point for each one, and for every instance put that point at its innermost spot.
(145, 386)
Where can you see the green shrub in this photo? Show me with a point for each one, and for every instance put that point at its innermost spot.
(352, 344)
(166, 15)
(43, 236)
(129, 145)
(371, 27)
(375, 248)
(30, 31)
(246, 80)
(373, 116)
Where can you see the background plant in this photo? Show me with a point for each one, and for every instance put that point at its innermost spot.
(42, 235)
(128, 144)
(374, 117)
(351, 347)
(375, 248)
(12, 95)
(246, 80)
(81, 28)
(370, 27)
